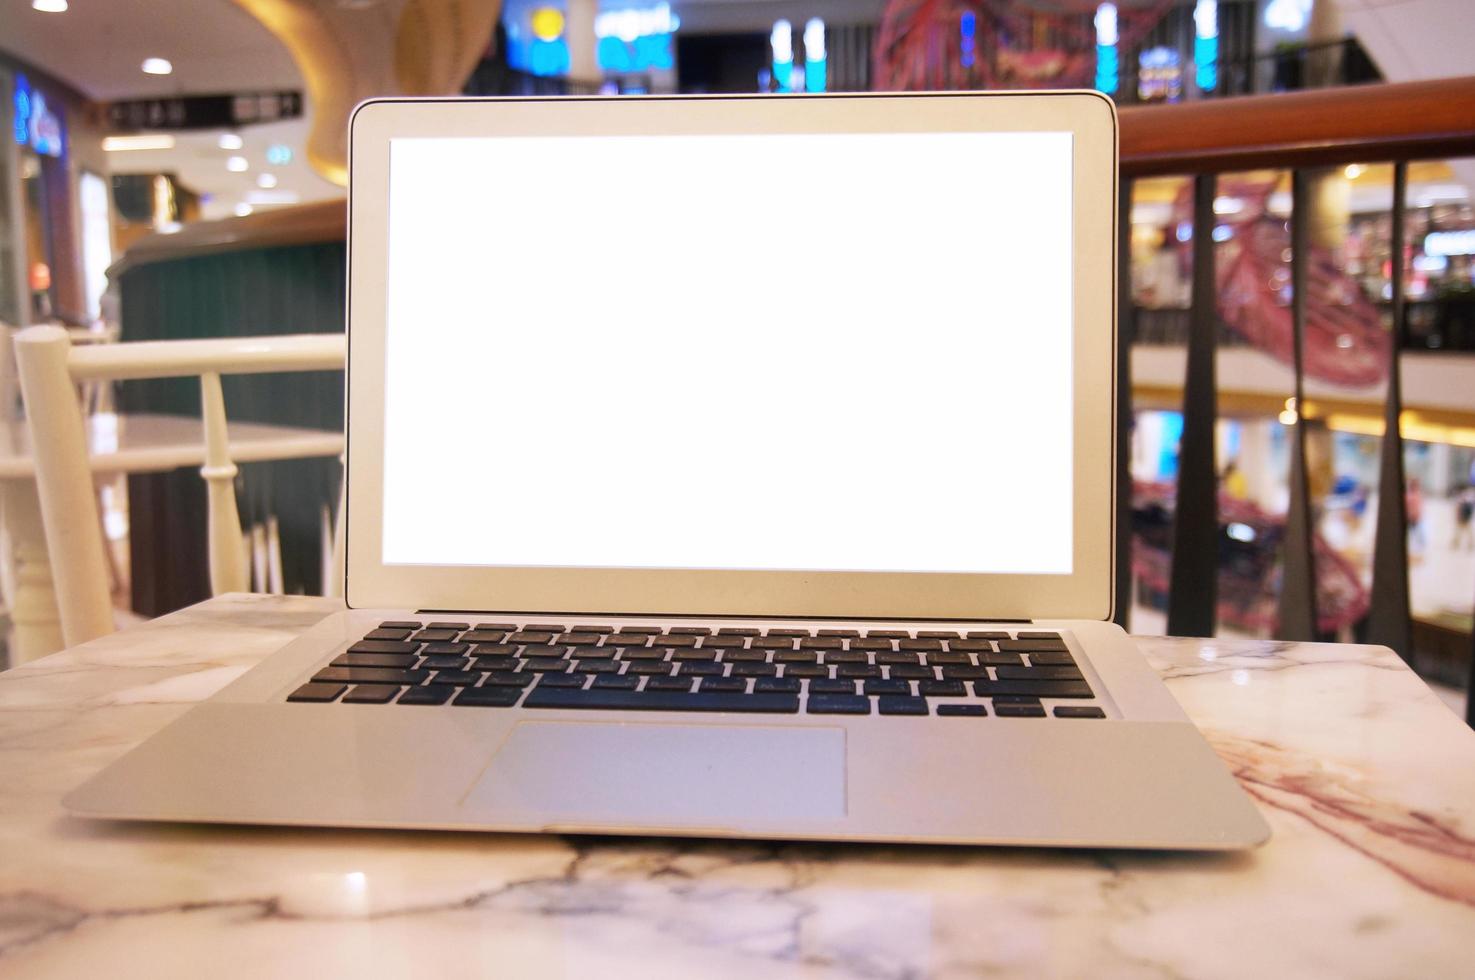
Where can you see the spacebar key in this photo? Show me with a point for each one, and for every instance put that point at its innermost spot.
(609, 699)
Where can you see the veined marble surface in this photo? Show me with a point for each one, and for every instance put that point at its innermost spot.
(1367, 779)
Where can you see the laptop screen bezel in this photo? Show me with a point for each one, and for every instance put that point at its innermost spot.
(1085, 593)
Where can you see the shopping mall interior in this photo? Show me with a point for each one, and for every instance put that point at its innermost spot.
(159, 152)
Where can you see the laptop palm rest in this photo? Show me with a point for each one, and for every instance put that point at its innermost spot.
(653, 773)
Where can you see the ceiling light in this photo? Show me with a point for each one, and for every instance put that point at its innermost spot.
(1353, 171)
(231, 141)
(237, 165)
(143, 141)
(242, 210)
(278, 154)
(50, 6)
(157, 66)
(266, 181)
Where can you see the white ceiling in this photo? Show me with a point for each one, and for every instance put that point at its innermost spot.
(98, 47)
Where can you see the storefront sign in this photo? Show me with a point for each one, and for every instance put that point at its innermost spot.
(205, 111)
(1450, 243)
(35, 124)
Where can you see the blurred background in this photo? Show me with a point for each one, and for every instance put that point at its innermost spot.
(175, 168)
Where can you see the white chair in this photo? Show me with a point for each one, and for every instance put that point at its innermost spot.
(51, 368)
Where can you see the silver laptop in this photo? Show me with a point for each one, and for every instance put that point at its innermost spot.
(734, 467)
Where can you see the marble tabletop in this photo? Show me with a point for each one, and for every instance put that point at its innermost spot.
(1367, 779)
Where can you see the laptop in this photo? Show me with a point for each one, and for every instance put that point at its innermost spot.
(725, 467)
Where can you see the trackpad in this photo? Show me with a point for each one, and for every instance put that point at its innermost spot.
(590, 773)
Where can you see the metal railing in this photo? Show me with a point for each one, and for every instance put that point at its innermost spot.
(1332, 127)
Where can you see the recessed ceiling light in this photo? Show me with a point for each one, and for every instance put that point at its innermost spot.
(50, 6)
(231, 141)
(143, 141)
(237, 165)
(266, 181)
(242, 210)
(157, 66)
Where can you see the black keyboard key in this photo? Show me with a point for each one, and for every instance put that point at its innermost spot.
(371, 694)
(1078, 711)
(643, 653)
(443, 649)
(460, 678)
(871, 643)
(488, 697)
(494, 650)
(500, 678)
(496, 663)
(627, 640)
(1018, 710)
(1054, 659)
(777, 685)
(901, 706)
(962, 710)
(700, 669)
(907, 673)
(988, 635)
(651, 667)
(383, 646)
(561, 680)
(819, 686)
(317, 692)
(429, 694)
(544, 628)
(593, 653)
(670, 684)
(845, 633)
(847, 657)
(586, 628)
(400, 660)
(458, 627)
(529, 637)
(999, 660)
(544, 653)
(445, 663)
(435, 636)
(723, 643)
(616, 682)
(1015, 699)
(860, 671)
(806, 670)
(1038, 674)
(642, 630)
(369, 675)
(919, 645)
(1037, 689)
(1025, 646)
(937, 635)
(898, 658)
(948, 660)
(888, 634)
(724, 685)
(580, 639)
(902, 688)
(789, 632)
(545, 665)
(596, 667)
(500, 627)
(674, 641)
(838, 704)
(795, 657)
(685, 656)
(689, 631)
(596, 699)
(744, 656)
(942, 689)
(384, 634)
(771, 643)
(739, 631)
(822, 643)
(970, 646)
(1038, 636)
(483, 636)
(753, 670)
(965, 673)
(399, 624)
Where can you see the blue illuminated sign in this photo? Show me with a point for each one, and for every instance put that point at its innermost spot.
(1108, 70)
(968, 28)
(1206, 44)
(635, 39)
(35, 125)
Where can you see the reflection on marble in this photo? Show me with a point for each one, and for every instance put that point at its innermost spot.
(1368, 781)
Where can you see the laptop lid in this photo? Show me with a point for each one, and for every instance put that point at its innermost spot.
(770, 356)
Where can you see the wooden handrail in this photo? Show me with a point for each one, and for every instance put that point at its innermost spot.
(1324, 127)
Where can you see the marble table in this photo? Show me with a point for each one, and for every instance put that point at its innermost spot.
(1367, 779)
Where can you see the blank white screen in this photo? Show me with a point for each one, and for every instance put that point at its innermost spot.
(829, 352)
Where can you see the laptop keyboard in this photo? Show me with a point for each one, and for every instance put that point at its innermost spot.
(1006, 673)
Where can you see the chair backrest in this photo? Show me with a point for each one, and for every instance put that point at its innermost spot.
(50, 368)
